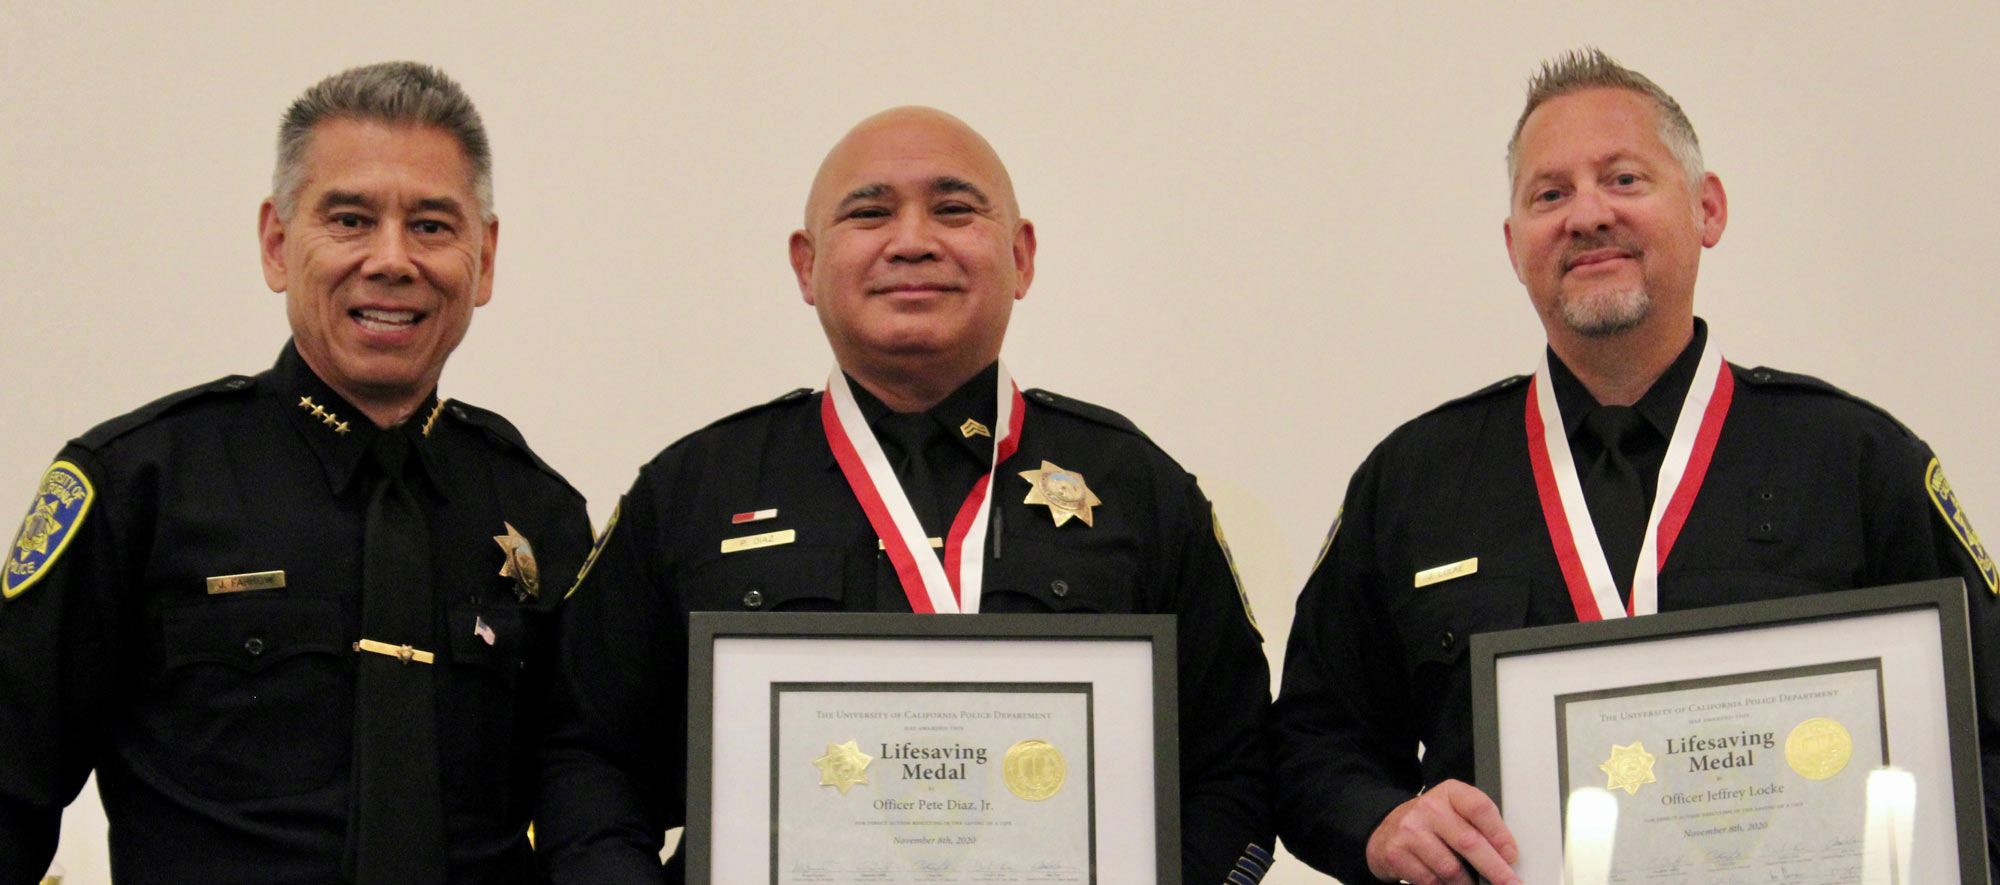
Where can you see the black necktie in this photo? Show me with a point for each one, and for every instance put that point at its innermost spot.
(1614, 492)
(398, 832)
(913, 433)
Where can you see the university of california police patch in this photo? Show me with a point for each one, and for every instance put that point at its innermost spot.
(1954, 516)
(59, 507)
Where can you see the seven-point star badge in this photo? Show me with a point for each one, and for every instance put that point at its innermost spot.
(843, 766)
(520, 564)
(1629, 768)
(1064, 492)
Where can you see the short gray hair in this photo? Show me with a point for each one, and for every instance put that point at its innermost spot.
(1590, 68)
(389, 92)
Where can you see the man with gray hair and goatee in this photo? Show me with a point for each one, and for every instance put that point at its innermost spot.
(299, 622)
(1533, 501)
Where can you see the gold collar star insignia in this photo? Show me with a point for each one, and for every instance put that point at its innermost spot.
(1063, 490)
(843, 766)
(520, 564)
(1629, 768)
(972, 428)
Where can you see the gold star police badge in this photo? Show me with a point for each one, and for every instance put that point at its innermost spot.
(1064, 492)
(1629, 768)
(520, 563)
(843, 766)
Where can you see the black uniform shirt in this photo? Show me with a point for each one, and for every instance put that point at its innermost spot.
(220, 723)
(1809, 490)
(617, 762)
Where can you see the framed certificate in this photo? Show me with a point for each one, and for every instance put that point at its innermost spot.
(1823, 738)
(895, 748)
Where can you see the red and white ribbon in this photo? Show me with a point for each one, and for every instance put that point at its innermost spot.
(1584, 568)
(950, 587)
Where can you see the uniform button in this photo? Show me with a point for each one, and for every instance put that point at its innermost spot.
(1765, 528)
(1766, 495)
(254, 646)
(1446, 640)
(1059, 587)
(458, 411)
(753, 599)
(1761, 376)
(236, 383)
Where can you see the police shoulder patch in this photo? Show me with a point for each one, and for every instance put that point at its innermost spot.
(1326, 546)
(61, 502)
(1215, 519)
(1954, 516)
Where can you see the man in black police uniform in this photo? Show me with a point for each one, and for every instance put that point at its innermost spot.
(913, 253)
(299, 622)
(1444, 532)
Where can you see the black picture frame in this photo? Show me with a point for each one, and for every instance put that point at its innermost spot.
(993, 631)
(1655, 635)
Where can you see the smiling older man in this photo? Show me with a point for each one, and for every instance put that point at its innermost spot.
(296, 621)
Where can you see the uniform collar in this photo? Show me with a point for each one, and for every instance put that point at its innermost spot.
(1661, 404)
(971, 402)
(338, 434)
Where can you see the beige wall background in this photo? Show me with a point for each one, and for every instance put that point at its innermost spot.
(1270, 231)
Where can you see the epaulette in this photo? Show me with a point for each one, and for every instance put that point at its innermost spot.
(1087, 411)
(501, 429)
(1505, 384)
(790, 396)
(1767, 377)
(103, 434)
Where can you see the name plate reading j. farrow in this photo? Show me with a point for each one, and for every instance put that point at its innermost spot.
(931, 783)
(1759, 777)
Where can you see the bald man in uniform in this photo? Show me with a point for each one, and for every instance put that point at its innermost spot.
(913, 253)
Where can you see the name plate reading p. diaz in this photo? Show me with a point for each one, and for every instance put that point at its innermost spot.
(1758, 777)
(972, 782)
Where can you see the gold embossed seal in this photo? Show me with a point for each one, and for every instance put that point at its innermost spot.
(1034, 770)
(1818, 748)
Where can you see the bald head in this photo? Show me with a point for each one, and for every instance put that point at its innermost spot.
(900, 134)
(913, 253)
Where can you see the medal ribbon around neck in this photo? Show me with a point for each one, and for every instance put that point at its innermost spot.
(951, 587)
(1584, 568)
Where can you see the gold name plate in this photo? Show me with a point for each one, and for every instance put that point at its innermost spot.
(1457, 569)
(752, 542)
(249, 581)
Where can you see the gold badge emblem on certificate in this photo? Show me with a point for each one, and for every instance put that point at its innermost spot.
(1034, 770)
(1063, 490)
(843, 766)
(1629, 768)
(1818, 748)
(520, 563)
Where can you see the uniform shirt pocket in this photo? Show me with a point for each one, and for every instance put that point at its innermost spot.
(787, 578)
(480, 702)
(256, 698)
(1035, 577)
(1436, 623)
